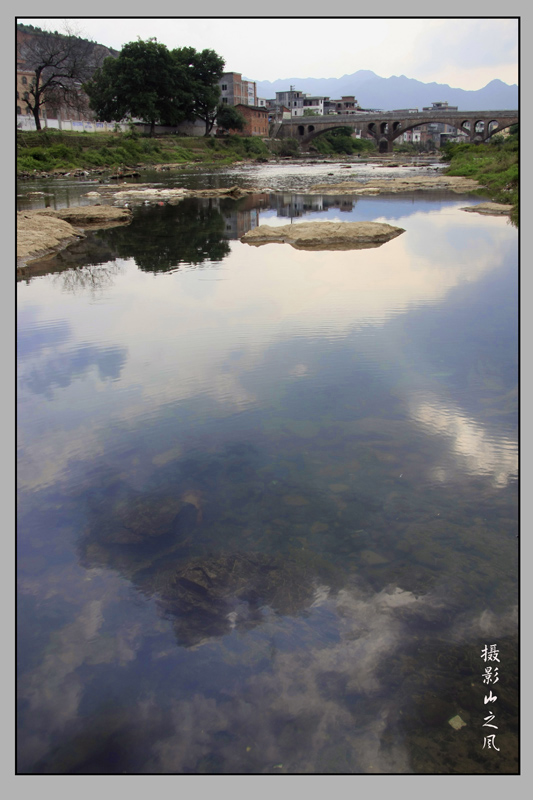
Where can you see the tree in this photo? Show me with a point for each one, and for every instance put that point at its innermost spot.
(229, 118)
(60, 63)
(202, 71)
(145, 82)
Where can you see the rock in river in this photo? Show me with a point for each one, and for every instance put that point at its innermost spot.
(324, 235)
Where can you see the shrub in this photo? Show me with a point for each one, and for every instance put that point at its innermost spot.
(289, 147)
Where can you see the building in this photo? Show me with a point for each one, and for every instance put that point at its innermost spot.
(314, 103)
(299, 102)
(235, 90)
(346, 105)
(438, 132)
(24, 79)
(294, 100)
(256, 120)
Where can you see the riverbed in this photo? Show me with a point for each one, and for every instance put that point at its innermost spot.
(268, 510)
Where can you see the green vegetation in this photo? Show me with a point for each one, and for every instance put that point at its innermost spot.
(142, 82)
(52, 150)
(339, 141)
(286, 148)
(200, 72)
(155, 84)
(414, 148)
(495, 165)
(237, 147)
(229, 118)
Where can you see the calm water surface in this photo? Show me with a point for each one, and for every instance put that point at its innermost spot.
(267, 497)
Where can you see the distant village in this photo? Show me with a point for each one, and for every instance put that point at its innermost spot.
(263, 115)
(241, 93)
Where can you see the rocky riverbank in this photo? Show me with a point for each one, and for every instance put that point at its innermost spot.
(45, 231)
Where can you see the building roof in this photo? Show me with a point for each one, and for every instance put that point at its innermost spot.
(253, 108)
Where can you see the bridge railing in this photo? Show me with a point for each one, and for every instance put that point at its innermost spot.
(387, 115)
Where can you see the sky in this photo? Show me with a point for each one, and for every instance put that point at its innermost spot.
(465, 53)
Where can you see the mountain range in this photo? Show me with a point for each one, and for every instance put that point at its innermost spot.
(397, 92)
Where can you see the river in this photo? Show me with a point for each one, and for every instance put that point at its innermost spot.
(269, 525)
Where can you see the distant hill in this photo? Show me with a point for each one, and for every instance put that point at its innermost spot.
(371, 91)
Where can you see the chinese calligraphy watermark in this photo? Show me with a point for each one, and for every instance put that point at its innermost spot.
(490, 676)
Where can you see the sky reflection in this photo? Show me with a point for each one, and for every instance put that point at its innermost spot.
(268, 295)
(344, 423)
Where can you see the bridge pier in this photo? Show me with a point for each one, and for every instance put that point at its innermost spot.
(384, 145)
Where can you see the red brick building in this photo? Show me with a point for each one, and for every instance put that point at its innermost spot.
(256, 120)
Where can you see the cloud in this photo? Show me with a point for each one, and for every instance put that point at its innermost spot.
(474, 450)
(317, 708)
(52, 692)
(465, 53)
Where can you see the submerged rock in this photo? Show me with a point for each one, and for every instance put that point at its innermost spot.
(324, 235)
(211, 596)
(136, 520)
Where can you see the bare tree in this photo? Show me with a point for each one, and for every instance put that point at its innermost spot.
(60, 63)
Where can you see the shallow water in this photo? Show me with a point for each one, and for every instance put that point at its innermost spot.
(268, 497)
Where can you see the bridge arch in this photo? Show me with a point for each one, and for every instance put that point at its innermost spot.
(499, 127)
(312, 132)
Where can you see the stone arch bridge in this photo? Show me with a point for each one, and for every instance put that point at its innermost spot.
(386, 126)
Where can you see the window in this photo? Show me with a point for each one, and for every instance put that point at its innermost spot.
(224, 99)
(24, 80)
(224, 87)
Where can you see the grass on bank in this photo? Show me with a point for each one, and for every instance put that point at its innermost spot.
(495, 165)
(340, 141)
(52, 150)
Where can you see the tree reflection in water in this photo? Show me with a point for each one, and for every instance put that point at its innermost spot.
(188, 233)
(93, 278)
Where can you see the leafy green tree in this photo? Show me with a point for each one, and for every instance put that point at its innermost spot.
(229, 118)
(202, 72)
(145, 82)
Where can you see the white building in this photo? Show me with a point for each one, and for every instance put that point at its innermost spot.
(314, 103)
